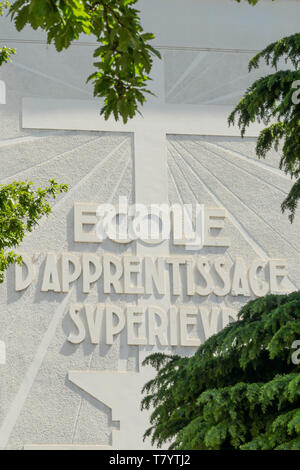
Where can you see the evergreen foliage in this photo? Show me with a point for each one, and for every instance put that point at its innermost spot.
(274, 101)
(240, 390)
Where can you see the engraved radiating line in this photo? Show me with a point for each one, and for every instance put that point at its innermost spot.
(30, 138)
(19, 140)
(38, 165)
(92, 354)
(256, 247)
(77, 415)
(175, 184)
(226, 96)
(219, 87)
(237, 224)
(119, 181)
(130, 198)
(225, 301)
(24, 389)
(18, 402)
(242, 170)
(44, 219)
(185, 178)
(196, 79)
(241, 156)
(80, 403)
(54, 79)
(240, 200)
(198, 59)
(161, 46)
(87, 177)
(253, 243)
(82, 181)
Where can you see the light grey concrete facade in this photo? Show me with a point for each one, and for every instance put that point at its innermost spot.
(206, 46)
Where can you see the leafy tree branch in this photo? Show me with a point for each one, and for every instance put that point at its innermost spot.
(5, 52)
(21, 208)
(124, 56)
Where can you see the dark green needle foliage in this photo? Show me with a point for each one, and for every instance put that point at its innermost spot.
(240, 390)
(273, 100)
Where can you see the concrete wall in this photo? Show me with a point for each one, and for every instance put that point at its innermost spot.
(206, 46)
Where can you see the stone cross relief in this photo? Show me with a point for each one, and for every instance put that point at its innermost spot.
(121, 390)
